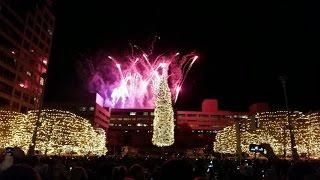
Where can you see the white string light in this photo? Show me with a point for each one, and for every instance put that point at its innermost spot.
(271, 130)
(60, 132)
(163, 123)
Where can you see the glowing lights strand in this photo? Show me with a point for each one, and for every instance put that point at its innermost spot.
(271, 130)
(163, 123)
(61, 132)
(135, 81)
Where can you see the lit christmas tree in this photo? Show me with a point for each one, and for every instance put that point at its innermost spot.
(163, 123)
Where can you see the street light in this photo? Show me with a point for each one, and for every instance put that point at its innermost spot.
(294, 151)
(31, 150)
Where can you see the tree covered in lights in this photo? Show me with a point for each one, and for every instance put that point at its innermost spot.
(163, 123)
(271, 131)
(60, 132)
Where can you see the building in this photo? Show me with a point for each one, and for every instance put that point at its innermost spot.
(130, 127)
(133, 127)
(90, 108)
(211, 119)
(25, 41)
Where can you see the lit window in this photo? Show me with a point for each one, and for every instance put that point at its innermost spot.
(129, 124)
(31, 50)
(41, 81)
(152, 113)
(138, 131)
(28, 73)
(21, 85)
(139, 124)
(119, 125)
(145, 113)
(145, 125)
(133, 113)
(45, 61)
(125, 131)
(91, 108)
(111, 124)
(50, 32)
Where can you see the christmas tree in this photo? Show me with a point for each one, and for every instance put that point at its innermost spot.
(163, 123)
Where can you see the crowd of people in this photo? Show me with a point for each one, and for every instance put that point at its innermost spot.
(15, 165)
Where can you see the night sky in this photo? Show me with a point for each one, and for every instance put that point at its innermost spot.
(244, 46)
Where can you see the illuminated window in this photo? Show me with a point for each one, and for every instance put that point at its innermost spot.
(145, 113)
(129, 124)
(28, 73)
(22, 84)
(111, 124)
(83, 108)
(91, 108)
(133, 113)
(45, 61)
(50, 32)
(152, 113)
(139, 124)
(41, 81)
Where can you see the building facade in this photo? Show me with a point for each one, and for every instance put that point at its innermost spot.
(211, 119)
(133, 127)
(25, 41)
(130, 127)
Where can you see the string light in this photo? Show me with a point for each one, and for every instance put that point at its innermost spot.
(271, 129)
(60, 132)
(163, 123)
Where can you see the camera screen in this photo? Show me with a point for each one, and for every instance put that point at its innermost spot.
(256, 148)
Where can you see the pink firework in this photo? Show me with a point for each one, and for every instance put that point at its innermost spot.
(137, 77)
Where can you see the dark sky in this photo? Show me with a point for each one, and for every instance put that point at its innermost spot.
(243, 45)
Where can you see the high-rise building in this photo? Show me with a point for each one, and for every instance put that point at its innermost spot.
(26, 29)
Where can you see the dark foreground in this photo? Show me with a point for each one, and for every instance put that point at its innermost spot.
(143, 168)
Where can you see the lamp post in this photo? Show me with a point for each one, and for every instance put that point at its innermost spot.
(294, 151)
(31, 150)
